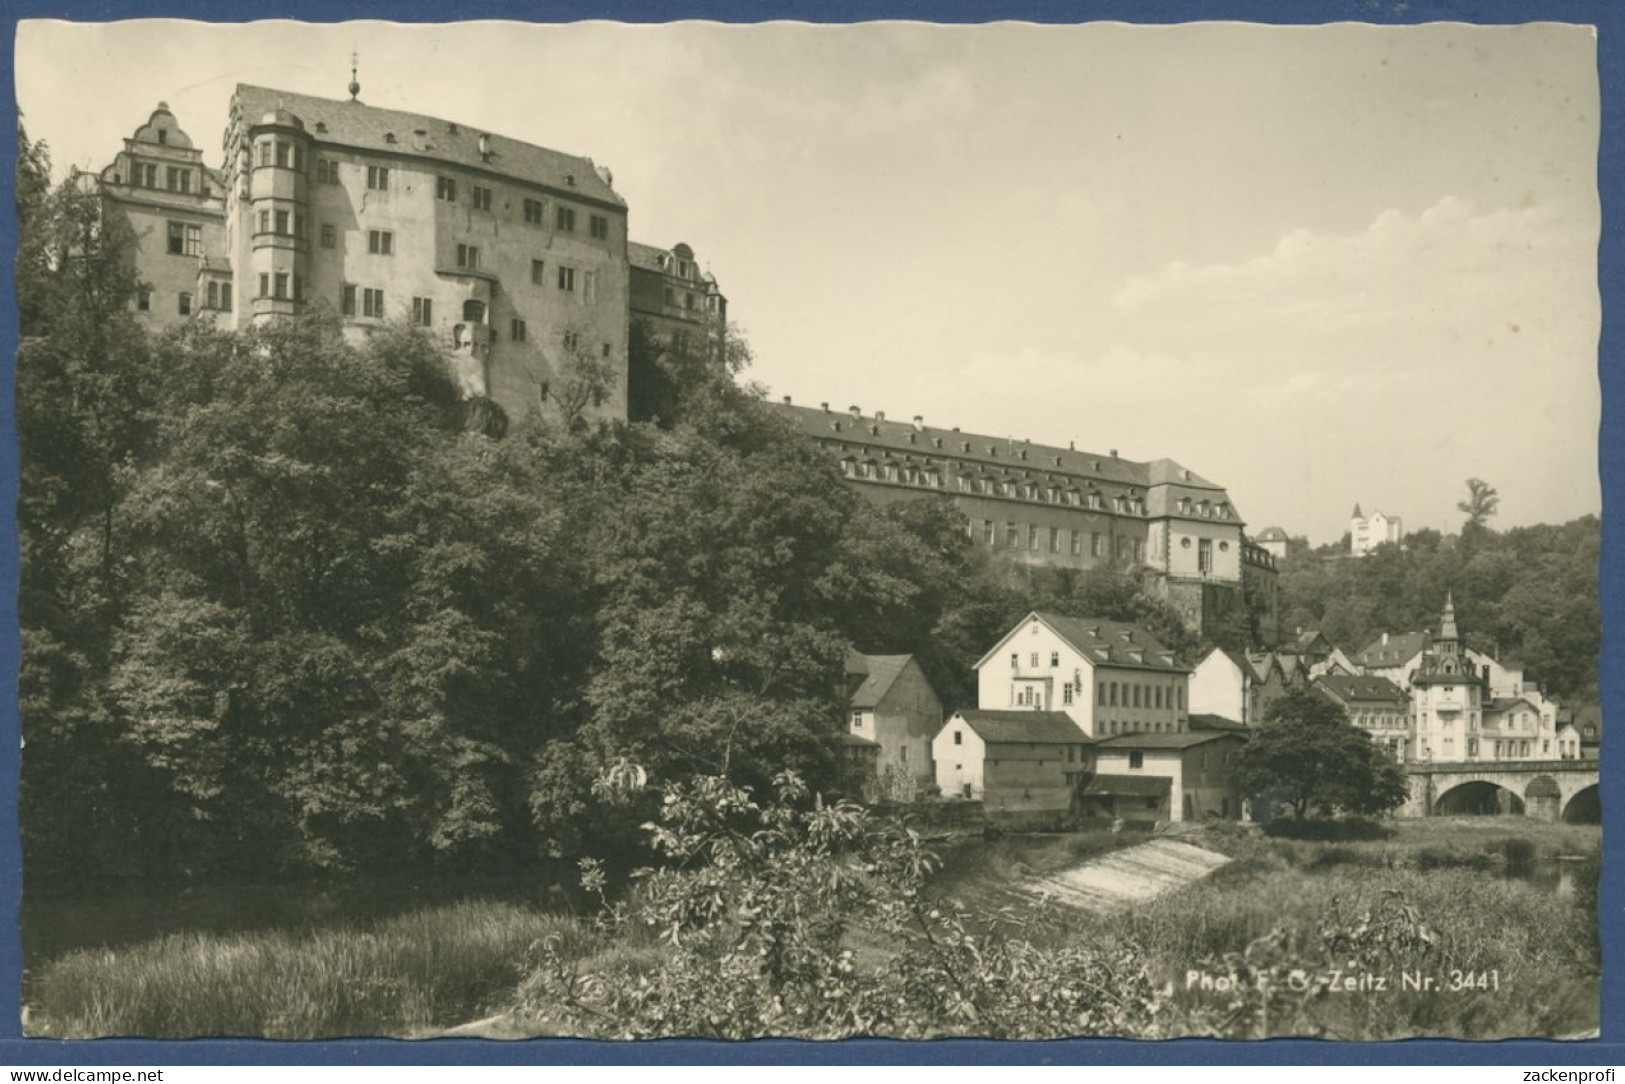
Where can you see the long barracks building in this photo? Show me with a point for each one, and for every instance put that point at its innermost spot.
(1041, 504)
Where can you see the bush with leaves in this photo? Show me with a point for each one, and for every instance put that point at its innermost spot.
(796, 917)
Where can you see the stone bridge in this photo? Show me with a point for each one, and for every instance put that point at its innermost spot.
(1549, 789)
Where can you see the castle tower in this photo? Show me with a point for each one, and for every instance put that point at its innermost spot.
(1448, 642)
(278, 222)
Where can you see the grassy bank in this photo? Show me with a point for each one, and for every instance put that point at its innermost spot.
(427, 969)
(1432, 898)
(1427, 897)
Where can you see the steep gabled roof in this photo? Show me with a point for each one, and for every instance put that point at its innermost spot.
(1023, 727)
(879, 673)
(1271, 534)
(366, 127)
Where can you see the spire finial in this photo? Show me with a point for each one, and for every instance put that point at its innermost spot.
(355, 87)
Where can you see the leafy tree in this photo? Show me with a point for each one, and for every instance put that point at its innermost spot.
(1308, 753)
(757, 898)
(1482, 502)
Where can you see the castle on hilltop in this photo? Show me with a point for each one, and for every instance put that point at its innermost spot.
(517, 259)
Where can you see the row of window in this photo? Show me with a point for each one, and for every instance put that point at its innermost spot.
(176, 178)
(532, 210)
(1136, 695)
(1054, 539)
(218, 297)
(931, 477)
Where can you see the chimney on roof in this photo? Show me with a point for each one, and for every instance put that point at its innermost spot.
(855, 412)
(919, 422)
(880, 415)
(485, 147)
(1071, 445)
(1385, 639)
(1114, 453)
(786, 400)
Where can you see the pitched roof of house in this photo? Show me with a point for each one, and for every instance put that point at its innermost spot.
(1023, 727)
(1399, 649)
(1181, 740)
(1362, 689)
(1160, 482)
(1133, 786)
(878, 673)
(1202, 721)
(1113, 643)
(1271, 534)
(1588, 715)
(1502, 704)
(367, 127)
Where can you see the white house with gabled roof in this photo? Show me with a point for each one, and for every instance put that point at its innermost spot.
(1107, 676)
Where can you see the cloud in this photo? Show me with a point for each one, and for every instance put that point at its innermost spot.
(1452, 266)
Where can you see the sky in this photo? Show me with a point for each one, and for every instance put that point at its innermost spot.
(1318, 265)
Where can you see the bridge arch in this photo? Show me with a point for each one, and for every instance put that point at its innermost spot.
(1478, 797)
(1584, 807)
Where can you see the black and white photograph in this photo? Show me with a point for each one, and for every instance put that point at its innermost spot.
(889, 529)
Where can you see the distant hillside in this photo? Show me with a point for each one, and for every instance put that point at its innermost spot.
(1529, 593)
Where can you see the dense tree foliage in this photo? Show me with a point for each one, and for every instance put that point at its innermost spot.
(1308, 755)
(1528, 594)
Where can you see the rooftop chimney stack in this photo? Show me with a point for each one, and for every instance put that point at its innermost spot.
(786, 400)
(855, 412)
(880, 415)
(919, 422)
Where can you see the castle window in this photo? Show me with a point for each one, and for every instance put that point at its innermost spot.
(599, 227)
(537, 267)
(282, 222)
(567, 278)
(1139, 551)
(1077, 543)
(163, 135)
(214, 296)
(194, 241)
(608, 350)
(468, 257)
(589, 287)
(372, 303)
(381, 242)
(516, 330)
(1136, 759)
(346, 298)
(327, 172)
(329, 235)
(265, 153)
(571, 340)
(474, 311)
(480, 197)
(1012, 535)
(265, 222)
(988, 535)
(423, 311)
(1095, 544)
(280, 280)
(688, 302)
(143, 299)
(378, 178)
(565, 219)
(445, 188)
(1066, 697)
(1055, 540)
(533, 212)
(183, 304)
(282, 154)
(177, 242)
(225, 297)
